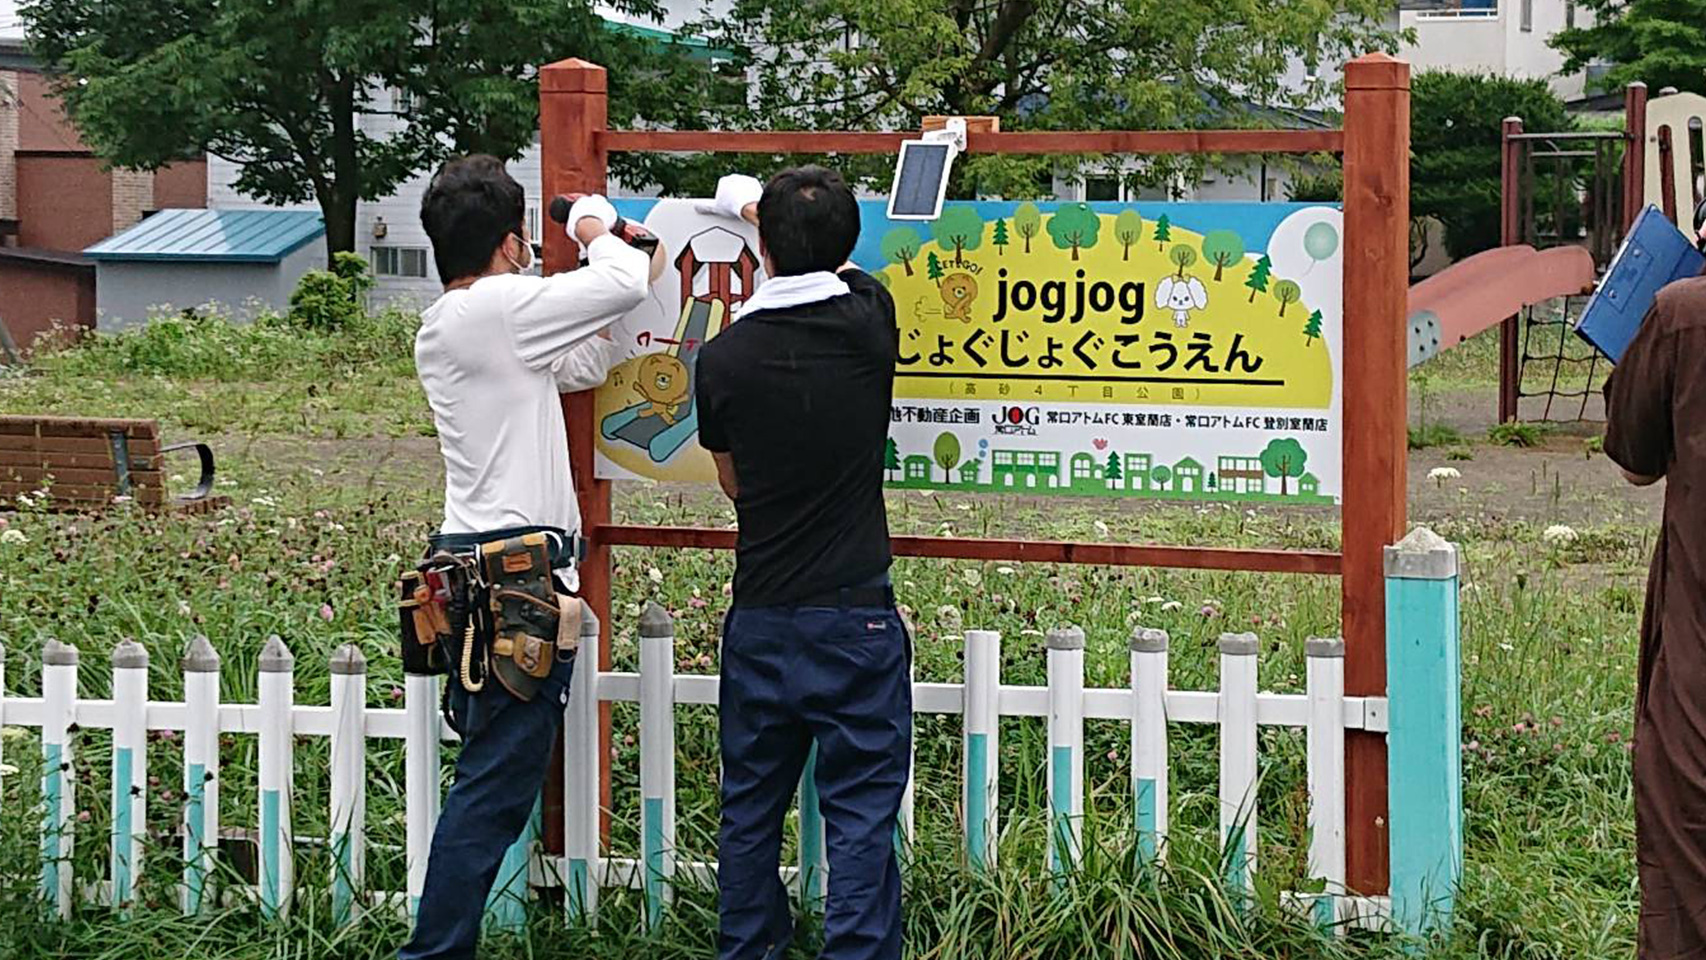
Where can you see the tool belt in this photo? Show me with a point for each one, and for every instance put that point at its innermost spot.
(484, 606)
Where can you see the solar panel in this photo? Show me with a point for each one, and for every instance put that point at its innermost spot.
(920, 180)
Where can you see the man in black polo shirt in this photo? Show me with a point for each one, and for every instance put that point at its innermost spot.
(793, 403)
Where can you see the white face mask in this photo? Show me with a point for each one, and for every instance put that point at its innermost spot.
(527, 267)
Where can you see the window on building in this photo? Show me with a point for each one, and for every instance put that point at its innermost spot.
(1101, 188)
(1080, 468)
(533, 223)
(1527, 16)
(403, 103)
(399, 261)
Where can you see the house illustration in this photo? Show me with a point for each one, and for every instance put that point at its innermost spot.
(916, 470)
(1240, 475)
(1187, 476)
(969, 472)
(1031, 469)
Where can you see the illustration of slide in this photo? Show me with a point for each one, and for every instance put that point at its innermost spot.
(1473, 294)
(665, 418)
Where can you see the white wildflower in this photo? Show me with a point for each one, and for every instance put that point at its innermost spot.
(1560, 535)
(1005, 571)
(1151, 601)
(949, 617)
(228, 482)
(13, 535)
(7, 770)
(264, 502)
(632, 610)
(1440, 475)
(972, 578)
(1101, 528)
(1171, 606)
(655, 574)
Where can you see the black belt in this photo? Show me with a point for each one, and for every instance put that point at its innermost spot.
(567, 549)
(849, 597)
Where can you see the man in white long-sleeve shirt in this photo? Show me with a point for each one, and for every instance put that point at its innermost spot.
(493, 354)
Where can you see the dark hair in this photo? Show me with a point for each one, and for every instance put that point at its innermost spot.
(808, 220)
(470, 206)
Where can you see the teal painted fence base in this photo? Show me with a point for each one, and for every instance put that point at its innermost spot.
(506, 905)
(1424, 752)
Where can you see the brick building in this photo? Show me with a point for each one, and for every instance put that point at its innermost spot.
(57, 198)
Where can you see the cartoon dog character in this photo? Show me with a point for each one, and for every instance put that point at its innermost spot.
(662, 382)
(959, 291)
(1181, 295)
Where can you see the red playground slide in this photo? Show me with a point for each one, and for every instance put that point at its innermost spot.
(1473, 294)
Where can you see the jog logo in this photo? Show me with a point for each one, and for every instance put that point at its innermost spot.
(1017, 421)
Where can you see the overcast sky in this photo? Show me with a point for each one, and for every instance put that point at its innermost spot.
(9, 26)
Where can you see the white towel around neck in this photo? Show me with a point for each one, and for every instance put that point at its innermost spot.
(779, 293)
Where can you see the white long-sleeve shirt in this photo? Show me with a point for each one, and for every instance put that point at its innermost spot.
(493, 358)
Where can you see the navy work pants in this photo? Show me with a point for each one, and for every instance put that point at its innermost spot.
(506, 748)
(841, 676)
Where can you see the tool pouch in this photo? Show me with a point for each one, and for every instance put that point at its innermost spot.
(525, 611)
(423, 624)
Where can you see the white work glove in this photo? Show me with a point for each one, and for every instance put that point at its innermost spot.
(734, 192)
(594, 207)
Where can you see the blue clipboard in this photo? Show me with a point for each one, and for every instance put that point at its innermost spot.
(1655, 253)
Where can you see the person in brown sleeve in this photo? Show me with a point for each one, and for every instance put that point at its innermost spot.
(1656, 429)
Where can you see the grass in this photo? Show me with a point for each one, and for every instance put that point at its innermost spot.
(318, 529)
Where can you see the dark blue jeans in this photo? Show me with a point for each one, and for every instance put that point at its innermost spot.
(840, 676)
(506, 748)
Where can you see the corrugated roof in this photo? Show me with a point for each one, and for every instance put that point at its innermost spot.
(217, 236)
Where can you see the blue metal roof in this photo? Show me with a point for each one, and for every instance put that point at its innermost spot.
(213, 236)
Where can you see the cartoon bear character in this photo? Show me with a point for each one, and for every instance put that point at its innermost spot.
(1181, 295)
(959, 291)
(663, 382)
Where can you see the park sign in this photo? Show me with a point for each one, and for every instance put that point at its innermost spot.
(1165, 350)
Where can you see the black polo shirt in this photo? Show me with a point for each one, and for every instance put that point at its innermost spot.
(800, 398)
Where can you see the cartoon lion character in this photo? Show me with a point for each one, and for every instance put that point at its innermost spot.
(663, 383)
(959, 291)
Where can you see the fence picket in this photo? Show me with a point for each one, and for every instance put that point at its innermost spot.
(422, 790)
(200, 665)
(580, 780)
(59, 695)
(814, 858)
(1066, 749)
(1149, 741)
(506, 902)
(349, 781)
(657, 759)
(130, 770)
(1326, 659)
(1238, 758)
(2, 716)
(980, 797)
(277, 742)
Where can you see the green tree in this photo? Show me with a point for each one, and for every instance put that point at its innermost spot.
(891, 458)
(959, 227)
(1258, 279)
(1037, 65)
(1159, 475)
(1182, 256)
(277, 88)
(932, 266)
(1284, 458)
(1312, 328)
(900, 245)
(332, 300)
(1213, 481)
(1073, 226)
(1113, 474)
(1027, 222)
(1128, 229)
(1000, 236)
(1455, 136)
(1222, 248)
(1658, 42)
(1163, 232)
(947, 455)
(1287, 292)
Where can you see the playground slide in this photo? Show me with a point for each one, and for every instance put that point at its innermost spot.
(1473, 294)
(638, 424)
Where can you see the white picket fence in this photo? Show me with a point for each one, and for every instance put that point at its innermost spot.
(1147, 704)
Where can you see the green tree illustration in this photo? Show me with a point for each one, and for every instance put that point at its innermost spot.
(1000, 237)
(1159, 475)
(1312, 329)
(891, 458)
(1074, 226)
(1027, 222)
(1163, 232)
(1258, 280)
(1284, 458)
(1222, 248)
(959, 227)
(1287, 292)
(900, 245)
(1113, 473)
(1182, 256)
(932, 266)
(1128, 229)
(947, 455)
(1213, 481)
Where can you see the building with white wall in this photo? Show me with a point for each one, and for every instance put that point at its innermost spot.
(1506, 37)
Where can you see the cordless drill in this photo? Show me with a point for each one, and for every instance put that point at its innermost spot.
(630, 233)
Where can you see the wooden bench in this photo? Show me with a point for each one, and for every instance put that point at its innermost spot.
(92, 462)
